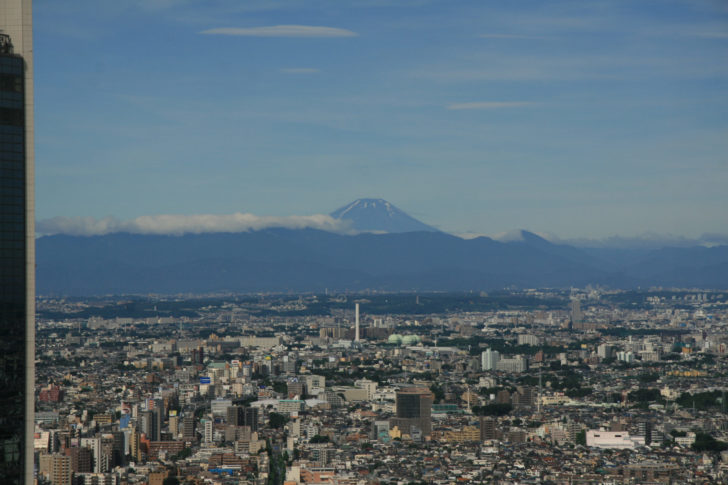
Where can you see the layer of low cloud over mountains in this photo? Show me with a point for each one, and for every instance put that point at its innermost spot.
(311, 259)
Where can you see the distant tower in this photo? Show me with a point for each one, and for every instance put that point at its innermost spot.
(470, 409)
(540, 388)
(356, 327)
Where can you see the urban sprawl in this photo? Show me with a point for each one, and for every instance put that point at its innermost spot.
(514, 387)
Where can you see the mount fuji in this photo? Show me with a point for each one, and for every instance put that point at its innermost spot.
(379, 216)
(388, 251)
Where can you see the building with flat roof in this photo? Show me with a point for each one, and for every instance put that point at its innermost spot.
(489, 359)
(414, 410)
(519, 363)
(613, 439)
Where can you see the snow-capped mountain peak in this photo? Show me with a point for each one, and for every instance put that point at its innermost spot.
(378, 215)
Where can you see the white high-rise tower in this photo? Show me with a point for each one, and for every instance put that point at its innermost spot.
(356, 325)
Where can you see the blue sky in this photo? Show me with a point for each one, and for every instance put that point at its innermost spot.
(577, 118)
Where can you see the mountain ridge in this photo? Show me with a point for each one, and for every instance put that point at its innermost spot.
(387, 250)
(312, 260)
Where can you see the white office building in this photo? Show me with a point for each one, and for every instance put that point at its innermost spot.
(489, 359)
(528, 339)
(519, 363)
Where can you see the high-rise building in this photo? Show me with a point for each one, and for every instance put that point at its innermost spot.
(118, 453)
(524, 397)
(82, 459)
(151, 424)
(235, 416)
(488, 429)
(251, 418)
(188, 427)
(356, 325)
(17, 243)
(576, 314)
(605, 351)
(644, 429)
(94, 444)
(135, 445)
(332, 332)
(489, 359)
(208, 430)
(243, 416)
(174, 425)
(414, 410)
(56, 468)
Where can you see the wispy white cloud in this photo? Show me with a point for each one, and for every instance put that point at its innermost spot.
(300, 70)
(489, 105)
(167, 224)
(282, 31)
(159, 4)
(650, 241)
(642, 241)
(711, 35)
(512, 36)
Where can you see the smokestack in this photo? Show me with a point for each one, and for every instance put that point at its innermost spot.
(356, 328)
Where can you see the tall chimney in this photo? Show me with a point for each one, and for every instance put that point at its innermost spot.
(356, 333)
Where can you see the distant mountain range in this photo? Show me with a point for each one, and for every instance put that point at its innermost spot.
(407, 255)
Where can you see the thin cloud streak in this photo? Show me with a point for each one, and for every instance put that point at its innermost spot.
(645, 241)
(712, 35)
(177, 225)
(513, 36)
(282, 31)
(300, 70)
(489, 105)
(648, 241)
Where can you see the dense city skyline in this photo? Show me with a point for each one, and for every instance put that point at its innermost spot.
(579, 119)
(183, 344)
(538, 386)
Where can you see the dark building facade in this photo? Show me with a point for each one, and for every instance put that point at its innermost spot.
(16, 328)
(488, 430)
(414, 410)
(151, 424)
(243, 416)
(188, 428)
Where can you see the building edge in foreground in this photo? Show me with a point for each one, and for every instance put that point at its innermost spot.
(16, 22)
